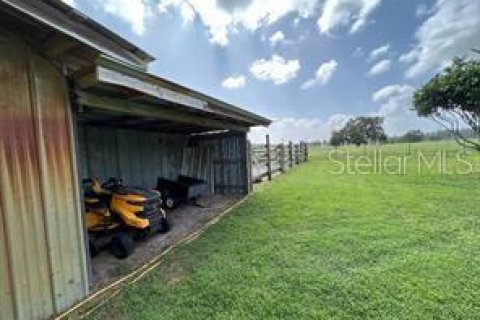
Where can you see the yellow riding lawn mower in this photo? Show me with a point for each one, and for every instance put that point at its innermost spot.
(116, 215)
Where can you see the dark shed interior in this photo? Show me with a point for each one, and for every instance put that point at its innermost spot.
(139, 157)
(139, 127)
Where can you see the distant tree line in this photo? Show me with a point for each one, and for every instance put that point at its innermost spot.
(413, 136)
(367, 130)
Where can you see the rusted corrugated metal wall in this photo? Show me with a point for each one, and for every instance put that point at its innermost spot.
(42, 265)
(139, 157)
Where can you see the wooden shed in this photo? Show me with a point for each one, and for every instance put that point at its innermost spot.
(76, 101)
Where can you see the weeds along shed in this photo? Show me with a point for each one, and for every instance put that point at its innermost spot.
(76, 101)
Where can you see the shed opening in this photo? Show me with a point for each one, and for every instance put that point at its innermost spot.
(139, 137)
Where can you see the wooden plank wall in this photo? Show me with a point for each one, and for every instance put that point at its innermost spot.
(140, 157)
(220, 159)
(230, 170)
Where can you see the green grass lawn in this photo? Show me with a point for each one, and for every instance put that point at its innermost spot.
(318, 244)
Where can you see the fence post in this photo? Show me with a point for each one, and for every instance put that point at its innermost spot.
(290, 153)
(282, 157)
(249, 166)
(269, 158)
(296, 154)
(301, 157)
(306, 152)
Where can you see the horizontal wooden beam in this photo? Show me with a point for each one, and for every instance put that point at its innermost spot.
(137, 123)
(103, 75)
(126, 107)
(108, 72)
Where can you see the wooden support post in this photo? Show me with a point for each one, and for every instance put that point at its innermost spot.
(290, 153)
(269, 158)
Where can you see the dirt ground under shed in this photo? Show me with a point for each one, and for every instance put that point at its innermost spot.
(184, 220)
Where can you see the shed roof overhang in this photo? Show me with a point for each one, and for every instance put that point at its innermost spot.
(58, 16)
(112, 94)
(110, 74)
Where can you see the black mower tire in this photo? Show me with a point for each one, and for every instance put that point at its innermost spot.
(164, 225)
(93, 248)
(122, 245)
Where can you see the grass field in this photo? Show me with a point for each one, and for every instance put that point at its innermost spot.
(318, 243)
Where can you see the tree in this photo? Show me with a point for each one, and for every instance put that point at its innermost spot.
(360, 130)
(337, 139)
(413, 136)
(452, 98)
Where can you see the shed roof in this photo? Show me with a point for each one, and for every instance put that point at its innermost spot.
(120, 66)
(124, 97)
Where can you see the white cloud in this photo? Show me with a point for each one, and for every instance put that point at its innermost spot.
(380, 67)
(379, 52)
(322, 76)
(277, 69)
(188, 14)
(134, 12)
(266, 12)
(223, 17)
(451, 30)
(394, 100)
(234, 82)
(277, 37)
(422, 11)
(218, 21)
(395, 105)
(71, 3)
(186, 10)
(299, 129)
(296, 22)
(351, 13)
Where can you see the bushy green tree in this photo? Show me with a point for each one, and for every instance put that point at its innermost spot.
(452, 98)
(337, 139)
(360, 130)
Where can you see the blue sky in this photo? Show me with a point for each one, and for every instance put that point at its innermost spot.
(307, 64)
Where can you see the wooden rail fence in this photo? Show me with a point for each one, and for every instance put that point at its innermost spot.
(268, 159)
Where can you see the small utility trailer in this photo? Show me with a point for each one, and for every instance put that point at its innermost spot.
(183, 190)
